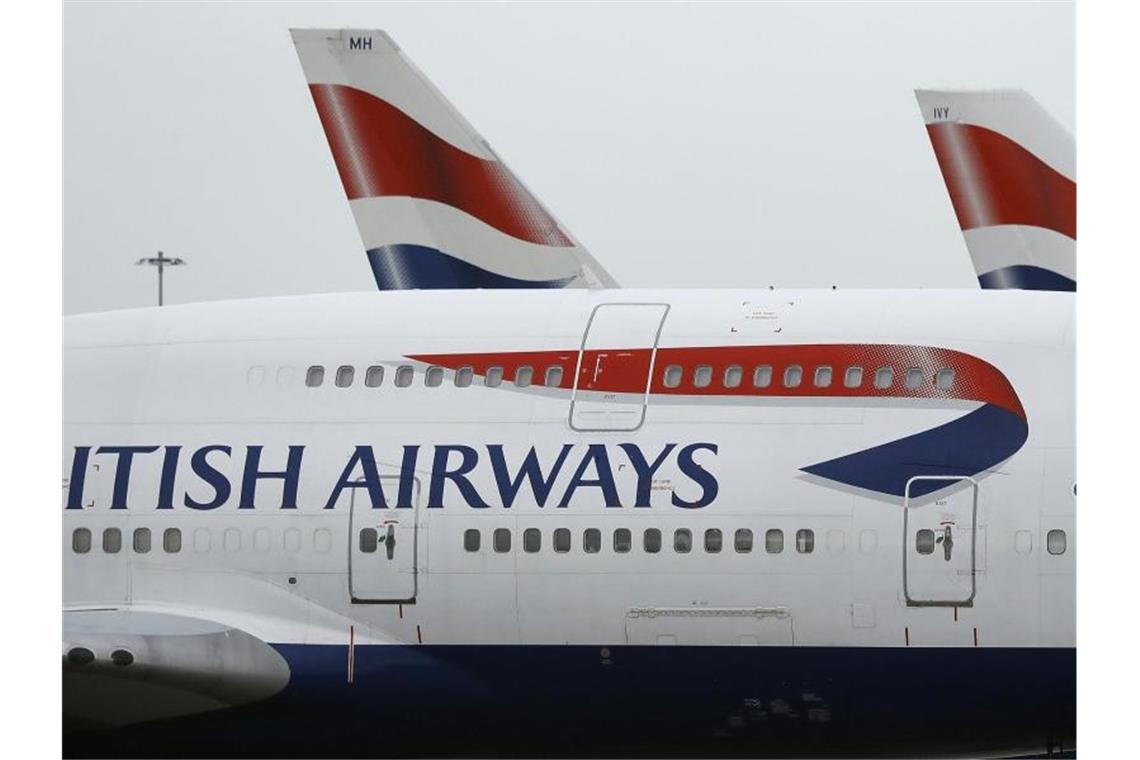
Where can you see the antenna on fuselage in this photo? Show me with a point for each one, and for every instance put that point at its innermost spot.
(161, 261)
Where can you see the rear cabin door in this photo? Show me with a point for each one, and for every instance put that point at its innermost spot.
(382, 550)
(941, 542)
(615, 366)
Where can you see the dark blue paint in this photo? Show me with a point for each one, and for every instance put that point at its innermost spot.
(409, 267)
(1026, 277)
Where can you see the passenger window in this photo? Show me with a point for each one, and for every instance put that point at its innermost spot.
(592, 540)
(315, 376)
(623, 540)
(172, 540)
(501, 540)
(732, 376)
(774, 541)
(742, 540)
(141, 540)
(562, 540)
(822, 377)
(524, 376)
(112, 540)
(494, 377)
(913, 378)
(1056, 542)
(374, 376)
(433, 378)
(853, 378)
(201, 540)
(702, 376)
(463, 377)
(81, 540)
(344, 376)
(471, 540)
(836, 541)
(762, 376)
(672, 377)
(368, 540)
(805, 541)
(553, 377)
(868, 541)
(532, 540)
(924, 541)
(682, 541)
(884, 377)
(651, 540)
(944, 380)
(1023, 542)
(291, 540)
(713, 540)
(404, 374)
(793, 376)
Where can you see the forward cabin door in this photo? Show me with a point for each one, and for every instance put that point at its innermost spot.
(941, 542)
(382, 550)
(615, 366)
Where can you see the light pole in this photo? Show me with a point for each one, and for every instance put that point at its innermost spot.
(161, 261)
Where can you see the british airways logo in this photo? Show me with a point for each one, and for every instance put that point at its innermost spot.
(214, 476)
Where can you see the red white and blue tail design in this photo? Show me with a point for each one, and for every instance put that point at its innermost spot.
(434, 204)
(1010, 169)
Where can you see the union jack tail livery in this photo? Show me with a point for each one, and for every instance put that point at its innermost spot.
(1010, 169)
(434, 204)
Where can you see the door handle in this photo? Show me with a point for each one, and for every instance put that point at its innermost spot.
(390, 541)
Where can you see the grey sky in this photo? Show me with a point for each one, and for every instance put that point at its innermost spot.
(684, 145)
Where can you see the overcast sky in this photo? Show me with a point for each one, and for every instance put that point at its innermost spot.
(684, 145)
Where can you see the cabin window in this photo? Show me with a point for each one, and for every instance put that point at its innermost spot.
(805, 540)
(822, 377)
(374, 376)
(463, 377)
(913, 378)
(1023, 542)
(315, 376)
(1056, 542)
(433, 378)
(112, 540)
(404, 374)
(774, 541)
(713, 540)
(924, 541)
(868, 541)
(202, 540)
(944, 380)
(853, 378)
(702, 376)
(172, 540)
(291, 540)
(501, 540)
(344, 376)
(651, 540)
(231, 540)
(562, 540)
(261, 540)
(884, 377)
(592, 540)
(471, 540)
(322, 540)
(682, 541)
(672, 376)
(836, 541)
(140, 541)
(732, 376)
(368, 540)
(494, 377)
(742, 540)
(81, 540)
(623, 540)
(553, 377)
(285, 376)
(762, 376)
(524, 376)
(532, 540)
(793, 376)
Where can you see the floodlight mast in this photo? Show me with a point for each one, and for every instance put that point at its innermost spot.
(161, 261)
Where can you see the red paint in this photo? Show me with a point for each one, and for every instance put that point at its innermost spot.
(993, 180)
(381, 151)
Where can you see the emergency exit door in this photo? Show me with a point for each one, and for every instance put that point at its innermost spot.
(615, 366)
(382, 551)
(941, 542)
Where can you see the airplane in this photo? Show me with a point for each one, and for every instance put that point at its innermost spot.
(500, 505)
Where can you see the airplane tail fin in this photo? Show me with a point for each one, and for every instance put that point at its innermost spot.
(1010, 169)
(434, 204)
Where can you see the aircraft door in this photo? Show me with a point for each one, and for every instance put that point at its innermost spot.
(615, 366)
(382, 550)
(941, 541)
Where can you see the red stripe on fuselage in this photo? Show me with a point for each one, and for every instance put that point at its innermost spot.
(992, 180)
(381, 151)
